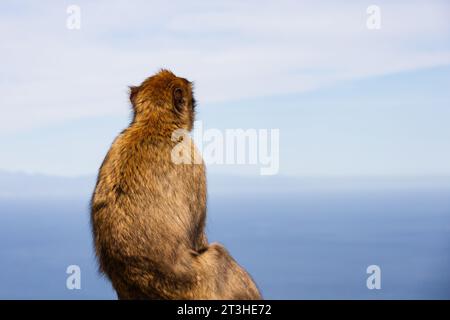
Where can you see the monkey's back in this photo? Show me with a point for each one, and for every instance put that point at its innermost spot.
(145, 206)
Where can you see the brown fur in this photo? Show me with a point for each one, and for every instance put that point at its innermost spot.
(148, 213)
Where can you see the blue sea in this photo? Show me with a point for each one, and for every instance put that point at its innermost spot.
(298, 243)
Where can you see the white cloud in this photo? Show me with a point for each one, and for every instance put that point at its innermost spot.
(232, 50)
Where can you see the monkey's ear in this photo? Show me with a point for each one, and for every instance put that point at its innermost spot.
(133, 93)
(179, 99)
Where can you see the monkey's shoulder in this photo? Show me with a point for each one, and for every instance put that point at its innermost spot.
(136, 158)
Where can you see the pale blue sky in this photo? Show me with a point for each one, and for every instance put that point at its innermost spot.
(347, 100)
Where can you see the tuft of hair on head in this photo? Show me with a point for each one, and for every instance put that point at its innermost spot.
(164, 71)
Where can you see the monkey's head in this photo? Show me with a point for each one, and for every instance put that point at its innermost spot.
(164, 100)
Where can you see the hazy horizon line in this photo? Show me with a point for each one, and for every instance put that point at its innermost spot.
(249, 175)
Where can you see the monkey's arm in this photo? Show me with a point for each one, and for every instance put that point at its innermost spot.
(202, 243)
